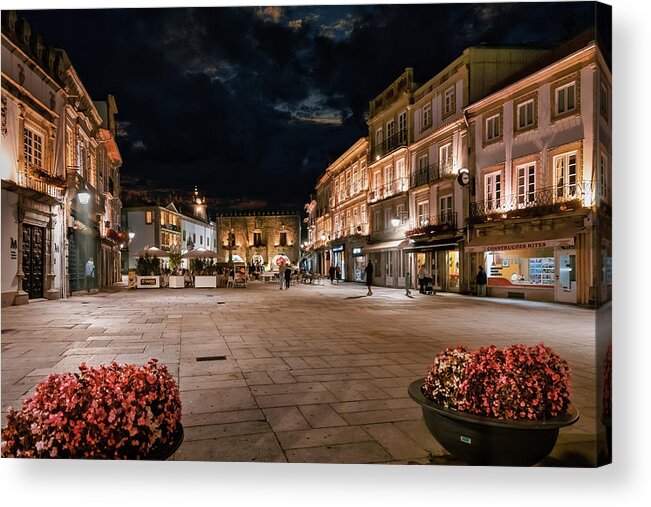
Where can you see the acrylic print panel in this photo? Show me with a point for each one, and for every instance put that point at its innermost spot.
(371, 234)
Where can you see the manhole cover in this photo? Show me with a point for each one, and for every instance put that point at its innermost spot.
(211, 358)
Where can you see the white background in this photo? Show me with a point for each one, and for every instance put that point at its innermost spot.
(626, 483)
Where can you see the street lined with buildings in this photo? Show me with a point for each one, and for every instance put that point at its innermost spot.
(316, 373)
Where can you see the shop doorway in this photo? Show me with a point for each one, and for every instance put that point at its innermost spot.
(33, 250)
(566, 276)
(453, 270)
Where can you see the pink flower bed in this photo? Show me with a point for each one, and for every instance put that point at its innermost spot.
(517, 382)
(104, 412)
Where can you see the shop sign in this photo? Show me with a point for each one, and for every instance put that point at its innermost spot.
(357, 251)
(148, 281)
(339, 248)
(521, 246)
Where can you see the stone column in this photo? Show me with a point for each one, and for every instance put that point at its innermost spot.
(21, 296)
(50, 254)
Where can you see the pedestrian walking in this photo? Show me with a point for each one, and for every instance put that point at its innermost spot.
(481, 280)
(422, 276)
(288, 277)
(281, 275)
(407, 284)
(331, 272)
(337, 273)
(90, 274)
(369, 277)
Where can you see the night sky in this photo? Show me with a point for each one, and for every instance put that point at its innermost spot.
(251, 104)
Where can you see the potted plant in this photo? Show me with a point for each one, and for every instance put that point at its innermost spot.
(496, 406)
(175, 279)
(103, 412)
(206, 274)
(606, 398)
(148, 271)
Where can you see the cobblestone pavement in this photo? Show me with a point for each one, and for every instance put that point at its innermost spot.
(312, 374)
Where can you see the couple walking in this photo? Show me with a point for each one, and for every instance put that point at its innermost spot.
(284, 276)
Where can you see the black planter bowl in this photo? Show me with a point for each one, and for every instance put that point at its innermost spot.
(479, 440)
(164, 452)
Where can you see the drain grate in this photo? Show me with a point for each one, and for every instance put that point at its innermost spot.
(8, 330)
(210, 295)
(211, 358)
(221, 302)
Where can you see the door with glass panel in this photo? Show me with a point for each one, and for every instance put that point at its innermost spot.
(566, 177)
(565, 262)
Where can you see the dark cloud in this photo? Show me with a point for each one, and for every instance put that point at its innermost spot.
(252, 103)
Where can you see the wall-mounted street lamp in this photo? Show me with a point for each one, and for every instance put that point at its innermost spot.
(84, 194)
(132, 235)
(323, 236)
(395, 222)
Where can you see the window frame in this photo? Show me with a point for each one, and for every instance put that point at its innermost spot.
(525, 189)
(569, 189)
(493, 196)
(562, 88)
(522, 106)
(604, 99)
(149, 217)
(35, 133)
(449, 93)
(426, 119)
(497, 124)
(446, 205)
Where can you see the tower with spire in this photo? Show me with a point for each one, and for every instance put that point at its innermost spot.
(199, 205)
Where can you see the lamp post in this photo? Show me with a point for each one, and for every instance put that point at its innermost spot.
(83, 195)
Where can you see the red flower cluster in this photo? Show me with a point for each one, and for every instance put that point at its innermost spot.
(444, 376)
(106, 412)
(517, 382)
(607, 396)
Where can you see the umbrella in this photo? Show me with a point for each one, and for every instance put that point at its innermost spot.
(152, 252)
(200, 253)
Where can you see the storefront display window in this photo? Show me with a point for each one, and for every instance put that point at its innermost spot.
(531, 266)
(453, 269)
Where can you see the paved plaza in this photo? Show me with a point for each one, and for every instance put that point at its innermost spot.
(314, 374)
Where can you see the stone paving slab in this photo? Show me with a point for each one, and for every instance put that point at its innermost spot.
(315, 374)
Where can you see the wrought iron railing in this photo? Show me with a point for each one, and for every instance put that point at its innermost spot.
(393, 142)
(43, 187)
(535, 203)
(392, 188)
(431, 173)
(442, 222)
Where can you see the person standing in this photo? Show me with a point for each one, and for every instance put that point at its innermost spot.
(288, 277)
(407, 284)
(338, 273)
(331, 272)
(481, 281)
(90, 274)
(422, 275)
(281, 275)
(369, 277)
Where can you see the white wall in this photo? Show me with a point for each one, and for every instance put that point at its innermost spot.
(9, 231)
(144, 234)
(200, 230)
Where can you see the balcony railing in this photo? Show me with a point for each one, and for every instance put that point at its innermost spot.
(431, 173)
(171, 227)
(42, 187)
(539, 202)
(393, 142)
(392, 188)
(435, 224)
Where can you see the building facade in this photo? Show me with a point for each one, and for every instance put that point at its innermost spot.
(541, 164)
(390, 132)
(265, 238)
(51, 131)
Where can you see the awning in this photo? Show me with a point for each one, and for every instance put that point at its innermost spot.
(434, 245)
(539, 239)
(386, 245)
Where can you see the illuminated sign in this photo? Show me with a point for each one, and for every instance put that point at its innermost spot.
(339, 248)
(357, 251)
(148, 281)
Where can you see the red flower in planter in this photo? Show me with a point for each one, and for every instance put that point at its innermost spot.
(106, 412)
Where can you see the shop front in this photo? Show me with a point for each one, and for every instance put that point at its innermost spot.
(359, 264)
(389, 267)
(538, 270)
(338, 256)
(441, 260)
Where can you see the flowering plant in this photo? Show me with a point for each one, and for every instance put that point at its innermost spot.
(517, 382)
(104, 412)
(607, 399)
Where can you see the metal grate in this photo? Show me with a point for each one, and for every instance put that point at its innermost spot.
(211, 358)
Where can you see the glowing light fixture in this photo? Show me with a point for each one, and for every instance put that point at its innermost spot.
(323, 237)
(395, 222)
(132, 234)
(84, 195)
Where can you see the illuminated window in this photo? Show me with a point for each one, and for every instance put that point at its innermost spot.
(149, 217)
(493, 190)
(426, 117)
(445, 209)
(445, 158)
(526, 185)
(33, 147)
(565, 174)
